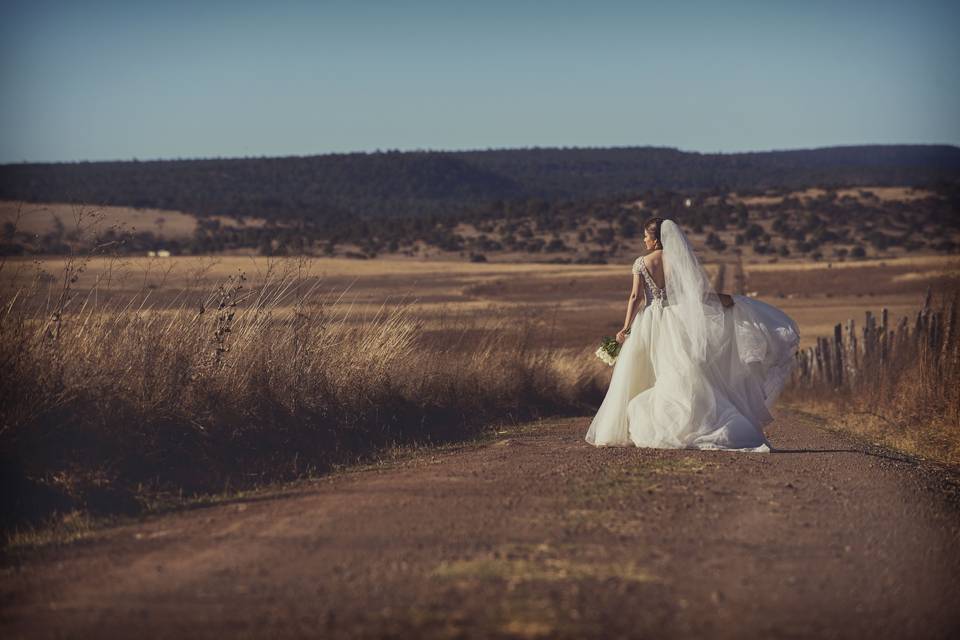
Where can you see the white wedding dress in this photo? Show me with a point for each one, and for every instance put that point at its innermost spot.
(662, 395)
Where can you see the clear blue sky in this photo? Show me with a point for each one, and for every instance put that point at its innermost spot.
(97, 80)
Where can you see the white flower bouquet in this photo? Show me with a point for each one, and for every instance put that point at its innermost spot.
(608, 351)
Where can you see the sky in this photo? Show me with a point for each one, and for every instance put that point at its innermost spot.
(108, 80)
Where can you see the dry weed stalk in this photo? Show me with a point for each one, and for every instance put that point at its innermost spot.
(129, 400)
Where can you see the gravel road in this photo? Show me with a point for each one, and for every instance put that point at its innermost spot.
(532, 534)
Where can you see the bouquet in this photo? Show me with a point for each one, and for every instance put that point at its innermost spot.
(608, 351)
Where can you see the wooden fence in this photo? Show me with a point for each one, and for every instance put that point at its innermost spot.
(852, 359)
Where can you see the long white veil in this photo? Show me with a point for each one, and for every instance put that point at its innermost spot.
(696, 303)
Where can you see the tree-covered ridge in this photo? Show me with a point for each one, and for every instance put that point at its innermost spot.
(327, 189)
(619, 171)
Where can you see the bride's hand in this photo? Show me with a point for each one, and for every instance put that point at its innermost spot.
(621, 335)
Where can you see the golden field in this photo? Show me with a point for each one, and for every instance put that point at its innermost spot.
(576, 303)
(130, 380)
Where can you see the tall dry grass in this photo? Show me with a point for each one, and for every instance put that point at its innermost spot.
(105, 406)
(899, 387)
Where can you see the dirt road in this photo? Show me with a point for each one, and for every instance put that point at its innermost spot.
(533, 534)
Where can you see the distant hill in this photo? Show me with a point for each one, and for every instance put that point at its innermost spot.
(328, 189)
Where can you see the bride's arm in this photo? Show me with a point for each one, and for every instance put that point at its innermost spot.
(632, 308)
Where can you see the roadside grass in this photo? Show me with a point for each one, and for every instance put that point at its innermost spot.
(931, 439)
(112, 408)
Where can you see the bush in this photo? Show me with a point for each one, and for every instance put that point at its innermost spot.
(753, 232)
(715, 243)
(556, 245)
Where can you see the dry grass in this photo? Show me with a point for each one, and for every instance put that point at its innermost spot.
(886, 194)
(919, 262)
(105, 406)
(118, 392)
(41, 218)
(910, 400)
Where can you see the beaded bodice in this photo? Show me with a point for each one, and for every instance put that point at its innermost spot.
(652, 293)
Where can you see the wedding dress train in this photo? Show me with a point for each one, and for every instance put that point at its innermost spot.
(663, 395)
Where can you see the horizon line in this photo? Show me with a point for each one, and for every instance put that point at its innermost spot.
(379, 151)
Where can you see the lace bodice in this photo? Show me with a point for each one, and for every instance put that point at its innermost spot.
(652, 293)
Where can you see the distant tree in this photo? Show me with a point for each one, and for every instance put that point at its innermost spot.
(604, 235)
(753, 232)
(628, 227)
(535, 245)
(555, 245)
(715, 243)
(879, 240)
(718, 221)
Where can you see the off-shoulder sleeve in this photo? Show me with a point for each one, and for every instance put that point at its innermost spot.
(636, 265)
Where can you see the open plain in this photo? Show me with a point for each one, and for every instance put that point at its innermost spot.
(572, 305)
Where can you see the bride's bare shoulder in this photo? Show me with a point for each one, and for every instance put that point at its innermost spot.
(654, 258)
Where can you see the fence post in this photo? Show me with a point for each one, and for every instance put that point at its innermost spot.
(883, 335)
(827, 360)
(720, 278)
(918, 328)
(819, 356)
(902, 333)
(851, 352)
(950, 329)
(869, 331)
(838, 355)
(936, 333)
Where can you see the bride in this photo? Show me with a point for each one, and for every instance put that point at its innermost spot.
(697, 369)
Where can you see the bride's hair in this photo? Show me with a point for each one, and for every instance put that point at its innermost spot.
(653, 226)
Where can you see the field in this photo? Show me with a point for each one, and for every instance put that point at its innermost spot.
(775, 226)
(144, 377)
(572, 305)
(42, 218)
